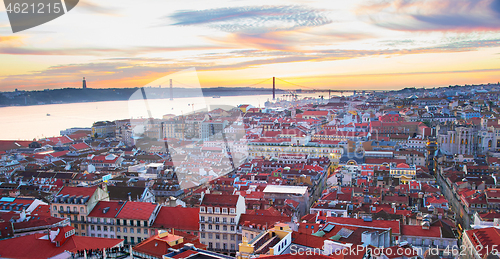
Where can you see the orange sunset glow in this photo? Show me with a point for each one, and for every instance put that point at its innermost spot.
(362, 44)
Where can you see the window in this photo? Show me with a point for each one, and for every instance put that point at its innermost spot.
(202, 218)
(209, 219)
(106, 236)
(210, 245)
(232, 247)
(216, 227)
(118, 229)
(202, 209)
(217, 210)
(82, 218)
(224, 210)
(224, 228)
(202, 234)
(55, 208)
(216, 219)
(217, 236)
(99, 235)
(131, 230)
(202, 226)
(124, 230)
(232, 220)
(61, 208)
(111, 229)
(76, 226)
(75, 209)
(132, 240)
(232, 228)
(224, 236)
(145, 223)
(99, 228)
(145, 231)
(92, 227)
(210, 235)
(138, 230)
(224, 220)
(67, 208)
(209, 210)
(82, 210)
(232, 237)
(105, 228)
(232, 210)
(210, 226)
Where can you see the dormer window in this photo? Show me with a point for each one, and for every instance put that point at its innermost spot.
(209, 210)
(217, 210)
(202, 209)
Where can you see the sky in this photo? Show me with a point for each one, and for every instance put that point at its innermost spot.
(355, 44)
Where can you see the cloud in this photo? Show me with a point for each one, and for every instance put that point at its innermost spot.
(95, 51)
(96, 8)
(133, 72)
(9, 38)
(253, 19)
(434, 15)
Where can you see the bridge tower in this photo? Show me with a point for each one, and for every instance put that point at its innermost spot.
(171, 91)
(274, 88)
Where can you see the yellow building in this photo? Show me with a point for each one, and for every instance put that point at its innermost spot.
(276, 148)
(403, 171)
(274, 241)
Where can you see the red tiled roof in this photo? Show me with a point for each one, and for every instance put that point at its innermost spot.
(100, 211)
(220, 200)
(415, 230)
(487, 238)
(177, 218)
(80, 146)
(37, 221)
(307, 240)
(33, 247)
(13, 144)
(393, 224)
(41, 210)
(137, 210)
(158, 246)
(77, 191)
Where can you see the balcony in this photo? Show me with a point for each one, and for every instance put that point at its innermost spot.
(68, 212)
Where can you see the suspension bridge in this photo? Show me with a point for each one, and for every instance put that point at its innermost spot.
(278, 85)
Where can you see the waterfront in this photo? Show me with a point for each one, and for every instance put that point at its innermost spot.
(39, 121)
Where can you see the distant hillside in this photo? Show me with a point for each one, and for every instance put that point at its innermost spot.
(74, 95)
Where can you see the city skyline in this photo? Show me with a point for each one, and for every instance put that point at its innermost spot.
(361, 44)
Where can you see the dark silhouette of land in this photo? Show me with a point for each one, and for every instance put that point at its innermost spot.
(75, 95)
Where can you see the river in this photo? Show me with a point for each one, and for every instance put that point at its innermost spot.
(40, 121)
